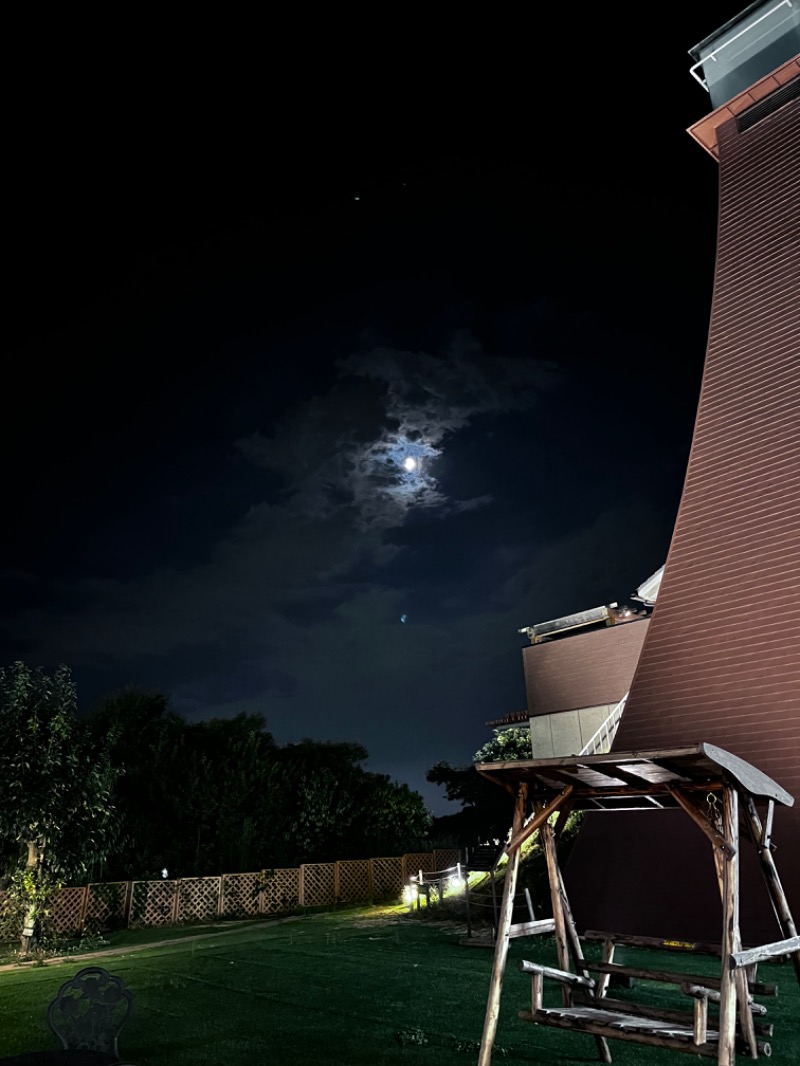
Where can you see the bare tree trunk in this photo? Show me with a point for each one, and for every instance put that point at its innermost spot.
(28, 937)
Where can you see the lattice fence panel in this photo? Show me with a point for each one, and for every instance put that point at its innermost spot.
(198, 899)
(318, 884)
(281, 890)
(240, 895)
(416, 861)
(152, 902)
(105, 907)
(445, 858)
(387, 877)
(353, 882)
(67, 911)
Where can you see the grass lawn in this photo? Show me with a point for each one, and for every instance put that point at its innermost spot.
(341, 989)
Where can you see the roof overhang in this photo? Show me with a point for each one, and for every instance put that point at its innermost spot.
(635, 780)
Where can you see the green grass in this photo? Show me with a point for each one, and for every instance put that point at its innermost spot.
(336, 990)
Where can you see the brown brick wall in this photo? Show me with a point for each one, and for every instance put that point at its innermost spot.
(584, 670)
(722, 658)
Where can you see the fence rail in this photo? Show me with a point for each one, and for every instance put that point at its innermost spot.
(137, 904)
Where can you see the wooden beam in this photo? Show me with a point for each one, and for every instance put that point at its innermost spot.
(771, 878)
(666, 1014)
(563, 777)
(561, 820)
(607, 959)
(700, 1021)
(701, 992)
(562, 951)
(568, 929)
(537, 989)
(701, 821)
(541, 925)
(730, 925)
(673, 977)
(766, 951)
(733, 985)
(616, 770)
(502, 941)
(766, 836)
(629, 940)
(519, 836)
(648, 1035)
(573, 980)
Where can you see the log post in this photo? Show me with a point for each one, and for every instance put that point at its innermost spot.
(537, 987)
(466, 901)
(570, 929)
(770, 872)
(126, 904)
(501, 940)
(730, 930)
(607, 956)
(700, 1028)
(558, 910)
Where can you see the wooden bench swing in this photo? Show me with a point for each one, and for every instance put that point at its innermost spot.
(716, 790)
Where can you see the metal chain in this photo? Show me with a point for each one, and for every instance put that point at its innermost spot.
(714, 810)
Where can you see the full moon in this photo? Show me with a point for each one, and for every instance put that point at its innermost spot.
(410, 463)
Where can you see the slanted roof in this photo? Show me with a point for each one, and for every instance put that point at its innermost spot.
(635, 780)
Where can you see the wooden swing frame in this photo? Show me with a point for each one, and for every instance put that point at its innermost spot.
(717, 790)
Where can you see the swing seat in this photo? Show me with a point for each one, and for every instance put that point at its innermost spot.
(602, 1016)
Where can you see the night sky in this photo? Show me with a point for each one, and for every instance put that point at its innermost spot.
(254, 270)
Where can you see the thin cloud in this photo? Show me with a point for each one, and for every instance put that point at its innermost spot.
(371, 445)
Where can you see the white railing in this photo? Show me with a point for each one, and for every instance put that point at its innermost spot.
(600, 742)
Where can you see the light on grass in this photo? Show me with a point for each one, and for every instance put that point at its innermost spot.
(410, 893)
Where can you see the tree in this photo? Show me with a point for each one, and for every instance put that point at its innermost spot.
(57, 815)
(221, 796)
(485, 809)
(197, 798)
(507, 745)
(334, 808)
(393, 818)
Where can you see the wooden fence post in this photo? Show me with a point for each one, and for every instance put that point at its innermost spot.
(126, 903)
(84, 908)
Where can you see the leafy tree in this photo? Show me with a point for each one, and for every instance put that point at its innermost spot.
(507, 745)
(393, 819)
(221, 796)
(142, 735)
(333, 808)
(57, 815)
(196, 798)
(486, 810)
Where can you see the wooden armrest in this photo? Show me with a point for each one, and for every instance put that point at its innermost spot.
(699, 992)
(766, 951)
(574, 980)
(538, 974)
